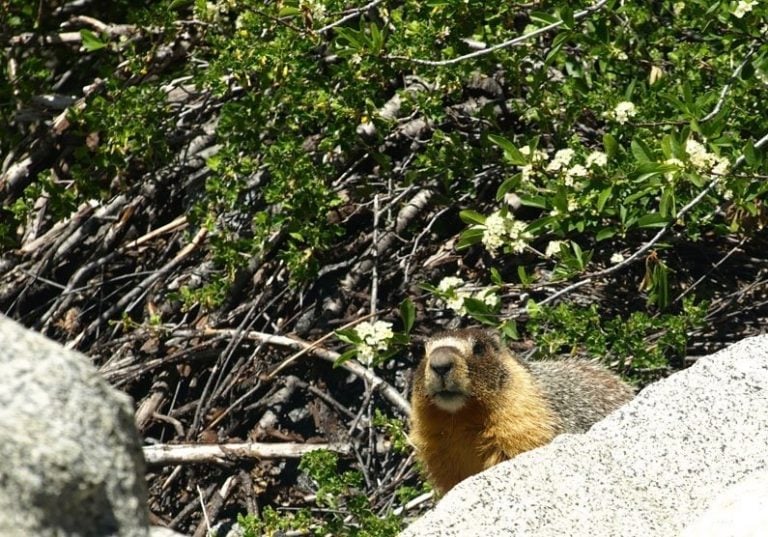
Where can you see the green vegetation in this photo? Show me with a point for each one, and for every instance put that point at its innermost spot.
(590, 179)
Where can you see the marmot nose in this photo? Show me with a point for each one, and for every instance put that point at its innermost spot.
(441, 363)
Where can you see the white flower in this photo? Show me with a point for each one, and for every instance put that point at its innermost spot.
(538, 155)
(365, 354)
(597, 158)
(617, 258)
(744, 7)
(456, 302)
(375, 335)
(704, 160)
(722, 164)
(454, 295)
(528, 172)
(315, 8)
(577, 170)
(553, 248)
(697, 154)
(561, 159)
(678, 8)
(489, 297)
(449, 283)
(623, 111)
(677, 163)
(493, 231)
(572, 204)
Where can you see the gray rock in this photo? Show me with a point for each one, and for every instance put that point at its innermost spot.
(70, 457)
(740, 511)
(650, 468)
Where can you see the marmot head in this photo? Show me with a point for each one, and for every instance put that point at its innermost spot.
(460, 365)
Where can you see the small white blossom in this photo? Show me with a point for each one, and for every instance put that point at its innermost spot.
(744, 7)
(704, 160)
(572, 204)
(577, 170)
(375, 335)
(722, 164)
(528, 172)
(597, 158)
(489, 297)
(553, 248)
(449, 283)
(677, 163)
(537, 156)
(493, 233)
(456, 302)
(314, 7)
(678, 8)
(697, 154)
(623, 111)
(365, 354)
(617, 258)
(561, 159)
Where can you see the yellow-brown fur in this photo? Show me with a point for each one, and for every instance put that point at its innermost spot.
(474, 405)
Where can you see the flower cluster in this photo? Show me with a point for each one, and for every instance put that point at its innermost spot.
(553, 248)
(562, 163)
(703, 160)
(375, 337)
(743, 7)
(536, 159)
(453, 291)
(500, 229)
(623, 111)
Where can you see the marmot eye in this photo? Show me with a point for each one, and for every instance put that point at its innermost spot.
(478, 348)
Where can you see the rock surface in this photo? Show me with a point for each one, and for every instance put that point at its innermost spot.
(70, 457)
(651, 468)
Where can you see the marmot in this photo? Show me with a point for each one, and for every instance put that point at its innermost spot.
(475, 405)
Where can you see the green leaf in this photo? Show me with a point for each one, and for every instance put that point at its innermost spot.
(566, 14)
(605, 233)
(345, 357)
(640, 151)
(507, 185)
(407, 314)
(496, 277)
(540, 202)
(545, 18)
(610, 145)
(511, 153)
(349, 335)
(751, 155)
(288, 11)
(652, 220)
(525, 279)
(91, 41)
(604, 196)
(509, 329)
(469, 216)
(468, 238)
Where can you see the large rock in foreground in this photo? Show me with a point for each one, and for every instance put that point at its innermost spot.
(70, 457)
(651, 468)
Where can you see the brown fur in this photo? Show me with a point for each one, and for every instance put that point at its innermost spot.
(489, 407)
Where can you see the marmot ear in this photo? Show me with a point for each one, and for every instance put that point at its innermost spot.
(494, 339)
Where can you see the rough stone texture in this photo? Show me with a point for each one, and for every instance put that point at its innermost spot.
(70, 457)
(740, 511)
(650, 468)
